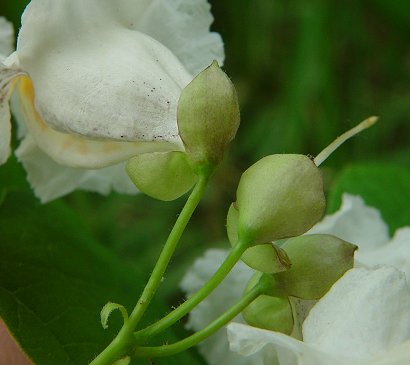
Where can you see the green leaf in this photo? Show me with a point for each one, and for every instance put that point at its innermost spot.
(54, 280)
(383, 186)
(12, 178)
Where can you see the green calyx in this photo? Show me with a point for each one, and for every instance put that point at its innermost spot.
(208, 116)
(272, 309)
(279, 196)
(270, 313)
(161, 175)
(267, 258)
(318, 261)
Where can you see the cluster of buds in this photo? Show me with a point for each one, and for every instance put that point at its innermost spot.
(279, 199)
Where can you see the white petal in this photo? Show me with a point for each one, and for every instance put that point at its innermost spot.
(50, 180)
(216, 348)
(355, 222)
(366, 313)
(71, 149)
(6, 38)
(8, 78)
(395, 253)
(95, 76)
(399, 355)
(301, 309)
(184, 29)
(271, 348)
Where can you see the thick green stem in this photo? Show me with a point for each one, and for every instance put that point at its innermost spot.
(200, 295)
(168, 350)
(125, 340)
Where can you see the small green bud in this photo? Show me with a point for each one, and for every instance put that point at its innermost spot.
(318, 261)
(161, 175)
(208, 116)
(270, 313)
(271, 310)
(267, 258)
(279, 196)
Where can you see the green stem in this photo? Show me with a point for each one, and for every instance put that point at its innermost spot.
(125, 340)
(168, 350)
(194, 300)
(168, 250)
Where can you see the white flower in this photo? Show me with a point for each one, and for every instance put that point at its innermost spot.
(354, 222)
(363, 320)
(97, 82)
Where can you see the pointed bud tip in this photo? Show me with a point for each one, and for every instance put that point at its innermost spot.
(208, 116)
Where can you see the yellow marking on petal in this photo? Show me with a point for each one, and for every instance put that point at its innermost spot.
(82, 148)
(110, 147)
(27, 91)
(72, 149)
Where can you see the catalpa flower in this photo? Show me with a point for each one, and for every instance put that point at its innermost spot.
(96, 82)
(363, 320)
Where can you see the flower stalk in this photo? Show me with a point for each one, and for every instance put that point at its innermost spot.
(125, 340)
(168, 350)
(167, 321)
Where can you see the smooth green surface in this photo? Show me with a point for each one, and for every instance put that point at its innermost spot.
(208, 116)
(267, 258)
(279, 196)
(270, 313)
(318, 261)
(161, 175)
(383, 186)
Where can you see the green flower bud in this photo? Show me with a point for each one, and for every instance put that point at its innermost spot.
(161, 175)
(208, 116)
(279, 196)
(267, 258)
(318, 261)
(269, 312)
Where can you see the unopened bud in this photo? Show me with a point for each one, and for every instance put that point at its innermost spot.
(279, 196)
(318, 261)
(208, 116)
(269, 311)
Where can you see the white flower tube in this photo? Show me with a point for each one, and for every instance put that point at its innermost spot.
(98, 82)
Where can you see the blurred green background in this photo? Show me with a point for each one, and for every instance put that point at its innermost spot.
(305, 72)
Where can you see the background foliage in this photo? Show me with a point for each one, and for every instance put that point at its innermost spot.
(305, 72)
